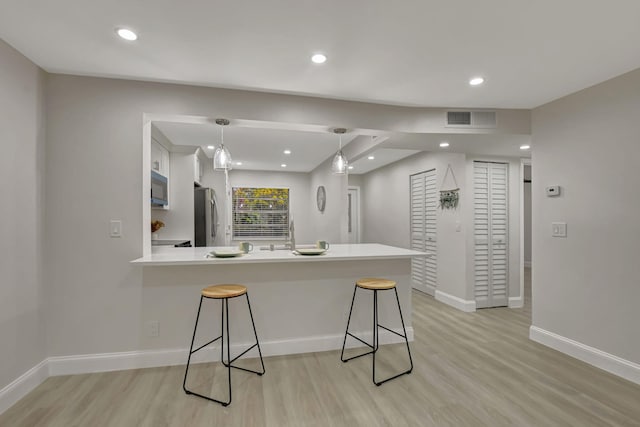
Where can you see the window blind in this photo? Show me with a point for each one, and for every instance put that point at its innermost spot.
(260, 213)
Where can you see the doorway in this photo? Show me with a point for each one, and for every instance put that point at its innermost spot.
(491, 234)
(423, 208)
(525, 228)
(353, 214)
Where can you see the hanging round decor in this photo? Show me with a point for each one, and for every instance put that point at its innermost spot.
(449, 198)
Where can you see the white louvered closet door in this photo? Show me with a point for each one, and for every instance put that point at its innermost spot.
(423, 230)
(491, 234)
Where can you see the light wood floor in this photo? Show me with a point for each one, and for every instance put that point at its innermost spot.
(471, 369)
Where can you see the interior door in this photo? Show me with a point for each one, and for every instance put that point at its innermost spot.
(491, 234)
(423, 230)
(353, 212)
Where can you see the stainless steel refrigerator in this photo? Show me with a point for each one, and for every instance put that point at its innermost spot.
(205, 213)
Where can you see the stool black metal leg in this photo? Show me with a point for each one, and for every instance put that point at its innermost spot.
(224, 331)
(404, 330)
(195, 328)
(375, 334)
(406, 339)
(255, 333)
(226, 304)
(353, 336)
(346, 332)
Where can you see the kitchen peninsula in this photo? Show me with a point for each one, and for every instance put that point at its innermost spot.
(300, 303)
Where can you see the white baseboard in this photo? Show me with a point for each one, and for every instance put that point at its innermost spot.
(453, 301)
(106, 362)
(516, 302)
(608, 362)
(21, 386)
(527, 264)
(91, 363)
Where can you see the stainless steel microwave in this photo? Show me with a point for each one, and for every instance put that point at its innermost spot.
(159, 189)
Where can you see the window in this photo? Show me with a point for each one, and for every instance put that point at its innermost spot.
(260, 213)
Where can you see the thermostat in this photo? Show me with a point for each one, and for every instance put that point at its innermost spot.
(553, 191)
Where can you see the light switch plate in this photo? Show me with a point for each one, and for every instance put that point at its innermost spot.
(115, 228)
(559, 229)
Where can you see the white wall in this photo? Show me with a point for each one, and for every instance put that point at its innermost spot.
(586, 286)
(386, 216)
(298, 185)
(330, 225)
(94, 140)
(385, 213)
(21, 215)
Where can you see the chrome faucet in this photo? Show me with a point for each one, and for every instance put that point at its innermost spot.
(292, 234)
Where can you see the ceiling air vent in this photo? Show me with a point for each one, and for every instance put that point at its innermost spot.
(459, 118)
(471, 119)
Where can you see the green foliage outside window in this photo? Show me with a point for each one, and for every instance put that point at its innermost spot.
(260, 213)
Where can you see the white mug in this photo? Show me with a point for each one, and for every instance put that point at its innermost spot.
(245, 247)
(322, 244)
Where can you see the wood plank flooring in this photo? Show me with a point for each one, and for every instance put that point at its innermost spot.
(471, 369)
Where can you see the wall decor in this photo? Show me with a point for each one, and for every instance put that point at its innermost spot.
(449, 198)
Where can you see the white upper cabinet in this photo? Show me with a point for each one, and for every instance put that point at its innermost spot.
(198, 166)
(159, 158)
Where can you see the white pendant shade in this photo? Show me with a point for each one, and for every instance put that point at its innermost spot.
(222, 158)
(339, 164)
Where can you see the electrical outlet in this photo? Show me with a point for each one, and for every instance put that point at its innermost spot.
(153, 328)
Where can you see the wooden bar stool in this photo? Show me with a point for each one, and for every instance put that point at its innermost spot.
(223, 293)
(376, 285)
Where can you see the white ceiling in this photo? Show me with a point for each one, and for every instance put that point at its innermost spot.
(412, 52)
(259, 148)
(399, 146)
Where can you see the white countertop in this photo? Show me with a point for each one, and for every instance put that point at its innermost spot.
(346, 252)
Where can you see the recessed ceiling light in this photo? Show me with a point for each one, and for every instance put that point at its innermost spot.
(287, 151)
(525, 147)
(283, 165)
(476, 81)
(210, 147)
(319, 58)
(350, 167)
(238, 163)
(127, 34)
(444, 144)
(370, 157)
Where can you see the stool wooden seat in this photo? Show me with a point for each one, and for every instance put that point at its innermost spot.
(224, 291)
(374, 283)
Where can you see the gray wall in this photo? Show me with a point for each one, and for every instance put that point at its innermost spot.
(299, 200)
(389, 187)
(21, 215)
(585, 286)
(94, 174)
(385, 213)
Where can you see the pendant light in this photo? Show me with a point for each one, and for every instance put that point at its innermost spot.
(222, 156)
(340, 163)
